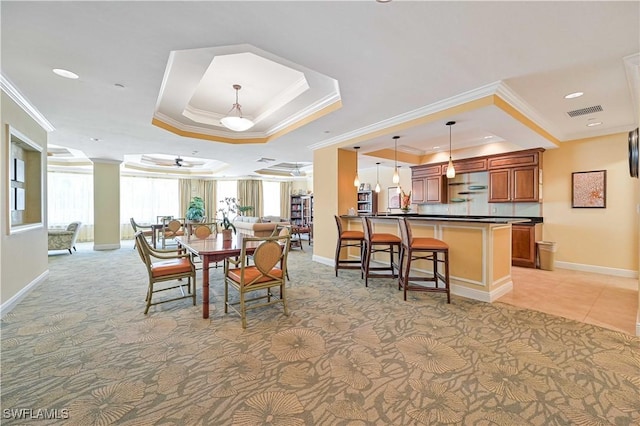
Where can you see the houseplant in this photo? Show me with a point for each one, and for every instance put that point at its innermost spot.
(230, 206)
(195, 211)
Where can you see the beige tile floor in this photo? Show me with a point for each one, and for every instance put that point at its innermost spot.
(603, 300)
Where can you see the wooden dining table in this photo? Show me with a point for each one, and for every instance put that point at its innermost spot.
(211, 250)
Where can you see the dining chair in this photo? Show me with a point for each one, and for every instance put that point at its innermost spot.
(430, 249)
(269, 270)
(147, 230)
(166, 265)
(171, 228)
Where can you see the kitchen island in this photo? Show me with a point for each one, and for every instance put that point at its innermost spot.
(479, 249)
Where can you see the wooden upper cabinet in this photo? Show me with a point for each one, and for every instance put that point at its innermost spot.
(514, 185)
(417, 190)
(468, 165)
(516, 159)
(427, 185)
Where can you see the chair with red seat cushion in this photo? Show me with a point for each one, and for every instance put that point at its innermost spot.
(423, 248)
(348, 239)
(379, 242)
(166, 265)
(269, 270)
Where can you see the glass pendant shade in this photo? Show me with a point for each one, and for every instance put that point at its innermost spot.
(234, 119)
(377, 187)
(451, 172)
(356, 181)
(377, 177)
(396, 176)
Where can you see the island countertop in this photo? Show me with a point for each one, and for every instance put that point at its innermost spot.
(452, 218)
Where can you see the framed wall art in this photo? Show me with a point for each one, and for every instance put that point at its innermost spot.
(18, 170)
(394, 198)
(589, 189)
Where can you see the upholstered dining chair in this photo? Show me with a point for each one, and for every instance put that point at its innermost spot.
(171, 228)
(269, 270)
(430, 249)
(147, 231)
(166, 265)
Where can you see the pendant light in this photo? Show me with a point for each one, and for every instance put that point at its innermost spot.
(377, 177)
(234, 119)
(356, 181)
(398, 188)
(451, 172)
(396, 176)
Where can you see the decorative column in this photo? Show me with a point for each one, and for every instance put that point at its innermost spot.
(106, 204)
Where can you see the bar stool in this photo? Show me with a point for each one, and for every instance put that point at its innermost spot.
(379, 243)
(422, 248)
(348, 239)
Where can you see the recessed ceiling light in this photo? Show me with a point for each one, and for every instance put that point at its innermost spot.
(487, 137)
(95, 139)
(574, 95)
(119, 85)
(436, 147)
(594, 123)
(65, 73)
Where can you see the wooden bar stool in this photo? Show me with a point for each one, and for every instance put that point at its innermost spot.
(420, 248)
(379, 243)
(348, 239)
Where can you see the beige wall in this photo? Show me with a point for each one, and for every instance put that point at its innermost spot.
(606, 237)
(23, 255)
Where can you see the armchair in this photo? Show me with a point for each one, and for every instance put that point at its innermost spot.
(269, 270)
(64, 239)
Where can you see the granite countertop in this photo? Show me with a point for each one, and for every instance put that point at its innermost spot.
(456, 218)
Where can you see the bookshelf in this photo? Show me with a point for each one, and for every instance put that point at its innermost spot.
(367, 202)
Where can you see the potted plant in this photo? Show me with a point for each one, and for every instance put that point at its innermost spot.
(195, 211)
(227, 226)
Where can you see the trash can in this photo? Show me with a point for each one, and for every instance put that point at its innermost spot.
(546, 254)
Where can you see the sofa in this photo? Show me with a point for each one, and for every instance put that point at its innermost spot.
(64, 239)
(254, 226)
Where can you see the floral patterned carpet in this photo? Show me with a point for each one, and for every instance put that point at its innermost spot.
(79, 349)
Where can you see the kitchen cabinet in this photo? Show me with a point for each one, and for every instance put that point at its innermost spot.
(523, 243)
(515, 177)
(428, 185)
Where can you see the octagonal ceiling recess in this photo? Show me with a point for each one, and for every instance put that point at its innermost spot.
(277, 95)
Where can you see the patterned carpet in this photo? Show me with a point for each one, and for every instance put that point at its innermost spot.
(80, 349)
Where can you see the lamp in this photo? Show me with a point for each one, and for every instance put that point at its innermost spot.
(396, 176)
(356, 181)
(451, 172)
(377, 177)
(234, 119)
(398, 188)
(297, 172)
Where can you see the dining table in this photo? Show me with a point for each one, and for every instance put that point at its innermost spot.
(211, 250)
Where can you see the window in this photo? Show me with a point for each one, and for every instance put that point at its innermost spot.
(70, 198)
(271, 198)
(146, 198)
(224, 189)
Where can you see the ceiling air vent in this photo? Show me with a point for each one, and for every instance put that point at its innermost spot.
(585, 111)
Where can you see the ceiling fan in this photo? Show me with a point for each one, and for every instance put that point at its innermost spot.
(167, 161)
(297, 172)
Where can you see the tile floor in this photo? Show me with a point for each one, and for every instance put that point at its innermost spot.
(603, 300)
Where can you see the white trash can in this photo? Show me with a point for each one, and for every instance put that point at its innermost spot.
(546, 254)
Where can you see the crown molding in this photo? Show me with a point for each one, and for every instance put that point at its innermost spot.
(12, 91)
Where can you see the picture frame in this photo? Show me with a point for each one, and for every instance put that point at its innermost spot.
(589, 189)
(18, 170)
(19, 199)
(393, 198)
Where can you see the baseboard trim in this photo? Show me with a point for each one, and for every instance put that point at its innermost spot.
(481, 296)
(7, 306)
(625, 273)
(324, 260)
(100, 247)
